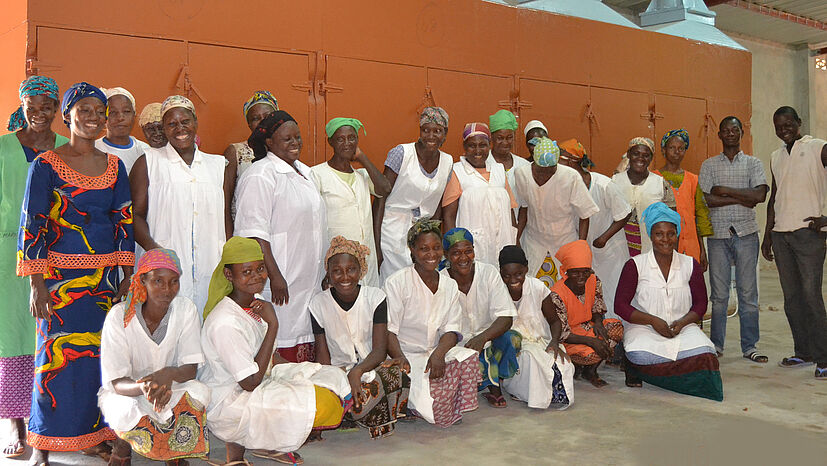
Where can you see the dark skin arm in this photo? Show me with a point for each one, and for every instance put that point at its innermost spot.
(613, 229)
(322, 350)
(265, 351)
(688, 318)
(139, 185)
(556, 327)
(583, 228)
(748, 197)
(397, 357)
(497, 328)
(232, 167)
(379, 214)
(436, 363)
(449, 216)
(377, 354)
(157, 386)
(766, 246)
(278, 285)
(381, 185)
(522, 219)
(229, 191)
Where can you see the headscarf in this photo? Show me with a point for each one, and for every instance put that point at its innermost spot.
(260, 97)
(422, 226)
(503, 119)
(476, 129)
(659, 212)
(573, 147)
(174, 101)
(151, 260)
(546, 153)
(113, 91)
(77, 92)
(681, 133)
(512, 254)
(534, 124)
(237, 250)
(455, 236)
(265, 129)
(574, 255)
(642, 141)
(31, 86)
(150, 114)
(435, 115)
(341, 245)
(336, 123)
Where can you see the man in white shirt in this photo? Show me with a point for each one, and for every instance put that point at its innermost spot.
(795, 237)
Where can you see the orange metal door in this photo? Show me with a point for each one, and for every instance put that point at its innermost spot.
(385, 97)
(561, 107)
(619, 116)
(214, 85)
(689, 114)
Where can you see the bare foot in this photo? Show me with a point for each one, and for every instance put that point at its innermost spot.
(39, 458)
(17, 442)
(101, 450)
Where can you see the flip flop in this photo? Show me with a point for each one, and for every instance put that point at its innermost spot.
(755, 356)
(821, 373)
(231, 463)
(494, 400)
(794, 361)
(15, 452)
(279, 457)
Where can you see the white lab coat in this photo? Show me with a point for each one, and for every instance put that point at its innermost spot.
(639, 198)
(487, 299)
(516, 162)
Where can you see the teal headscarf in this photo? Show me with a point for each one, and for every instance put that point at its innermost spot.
(659, 212)
(681, 133)
(336, 123)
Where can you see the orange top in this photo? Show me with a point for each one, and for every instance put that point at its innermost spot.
(576, 310)
(685, 200)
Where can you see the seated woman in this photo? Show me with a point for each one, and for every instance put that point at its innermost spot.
(271, 409)
(545, 375)
(662, 296)
(487, 313)
(150, 350)
(424, 318)
(350, 323)
(578, 300)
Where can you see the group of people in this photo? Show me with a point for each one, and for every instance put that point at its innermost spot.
(271, 300)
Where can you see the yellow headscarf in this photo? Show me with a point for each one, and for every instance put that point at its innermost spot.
(237, 250)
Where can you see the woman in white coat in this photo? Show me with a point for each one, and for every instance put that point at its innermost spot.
(418, 172)
(347, 191)
(279, 206)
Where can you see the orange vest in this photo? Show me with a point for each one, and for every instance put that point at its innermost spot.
(578, 312)
(685, 200)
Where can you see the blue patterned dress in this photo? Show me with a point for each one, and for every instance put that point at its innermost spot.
(76, 230)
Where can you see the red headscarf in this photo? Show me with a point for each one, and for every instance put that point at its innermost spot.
(153, 259)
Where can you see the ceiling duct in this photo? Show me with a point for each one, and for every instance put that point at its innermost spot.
(593, 10)
(690, 19)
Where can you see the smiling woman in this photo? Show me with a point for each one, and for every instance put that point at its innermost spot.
(120, 112)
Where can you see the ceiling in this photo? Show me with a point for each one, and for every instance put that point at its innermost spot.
(733, 16)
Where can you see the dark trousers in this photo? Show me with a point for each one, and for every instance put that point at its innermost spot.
(799, 256)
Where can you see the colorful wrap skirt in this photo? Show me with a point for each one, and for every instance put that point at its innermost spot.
(499, 360)
(382, 401)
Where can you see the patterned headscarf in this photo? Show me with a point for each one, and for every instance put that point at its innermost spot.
(476, 129)
(260, 97)
(336, 123)
(660, 212)
(574, 255)
(546, 153)
(174, 101)
(573, 147)
(151, 260)
(31, 86)
(150, 114)
(435, 115)
(681, 133)
(113, 91)
(422, 226)
(503, 119)
(77, 92)
(237, 250)
(456, 235)
(642, 141)
(341, 245)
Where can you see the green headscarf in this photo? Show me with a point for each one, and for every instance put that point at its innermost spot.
(337, 123)
(237, 250)
(503, 119)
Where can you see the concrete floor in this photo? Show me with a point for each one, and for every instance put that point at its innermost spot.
(769, 415)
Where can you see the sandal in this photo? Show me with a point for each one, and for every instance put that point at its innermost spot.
(279, 457)
(494, 400)
(245, 462)
(794, 361)
(633, 381)
(821, 373)
(755, 356)
(14, 449)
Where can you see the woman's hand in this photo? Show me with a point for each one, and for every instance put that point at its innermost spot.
(157, 387)
(278, 289)
(354, 378)
(600, 347)
(600, 330)
(401, 361)
(40, 301)
(554, 347)
(661, 327)
(477, 343)
(679, 324)
(600, 242)
(123, 288)
(436, 366)
(264, 310)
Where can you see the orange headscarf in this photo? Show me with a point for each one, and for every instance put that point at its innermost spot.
(573, 147)
(574, 255)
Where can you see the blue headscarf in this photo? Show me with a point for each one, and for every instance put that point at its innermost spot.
(75, 93)
(659, 212)
(681, 133)
(456, 235)
(33, 85)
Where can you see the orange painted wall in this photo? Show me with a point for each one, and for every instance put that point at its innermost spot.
(382, 61)
(13, 34)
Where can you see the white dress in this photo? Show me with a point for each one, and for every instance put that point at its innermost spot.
(485, 209)
(279, 413)
(516, 162)
(349, 334)
(608, 261)
(413, 193)
(639, 198)
(534, 381)
(419, 318)
(278, 205)
(487, 299)
(186, 214)
(349, 211)
(130, 352)
(128, 153)
(668, 299)
(554, 210)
